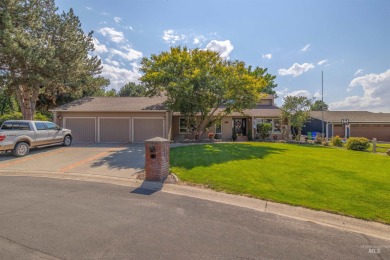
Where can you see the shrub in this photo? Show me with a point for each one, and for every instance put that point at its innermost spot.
(264, 130)
(357, 144)
(234, 135)
(42, 117)
(319, 139)
(18, 116)
(325, 143)
(336, 141)
(11, 116)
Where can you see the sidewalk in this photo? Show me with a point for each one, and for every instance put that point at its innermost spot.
(337, 221)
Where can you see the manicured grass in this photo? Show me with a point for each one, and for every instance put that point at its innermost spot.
(323, 178)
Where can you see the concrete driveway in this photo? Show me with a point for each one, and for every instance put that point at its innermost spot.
(117, 160)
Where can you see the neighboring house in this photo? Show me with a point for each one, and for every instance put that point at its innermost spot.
(135, 119)
(361, 124)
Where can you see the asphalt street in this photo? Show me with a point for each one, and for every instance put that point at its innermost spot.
(66, 219)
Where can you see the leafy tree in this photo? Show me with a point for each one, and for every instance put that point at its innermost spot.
(319, 105)
(297, 111)
(7, 101)
(269, 78)
(44, 53)
(200, 84)
(132, 89)
(111, 93)
(264, 130)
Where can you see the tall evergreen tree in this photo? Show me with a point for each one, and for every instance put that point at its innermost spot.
(42, 52)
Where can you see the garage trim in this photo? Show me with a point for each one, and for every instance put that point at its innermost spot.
(75, 117)
(128, 118)
(132, 125)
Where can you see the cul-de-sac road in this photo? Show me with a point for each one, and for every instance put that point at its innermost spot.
(42, 218)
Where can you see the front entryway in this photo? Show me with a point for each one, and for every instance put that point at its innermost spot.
(240, 126)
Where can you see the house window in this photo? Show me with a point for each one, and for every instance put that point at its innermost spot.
(276, 129)
(276, 124)
(218, 127)
(183, 126)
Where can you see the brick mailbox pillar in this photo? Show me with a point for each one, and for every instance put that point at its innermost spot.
(156, 159)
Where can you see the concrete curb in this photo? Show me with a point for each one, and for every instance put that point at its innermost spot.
(374, 229)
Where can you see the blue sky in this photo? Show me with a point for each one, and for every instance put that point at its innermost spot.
(349, 40)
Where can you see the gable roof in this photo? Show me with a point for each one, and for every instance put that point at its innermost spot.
(259, 111)
(353, 116)
(114, 104)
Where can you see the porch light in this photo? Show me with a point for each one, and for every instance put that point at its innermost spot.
(345, 121)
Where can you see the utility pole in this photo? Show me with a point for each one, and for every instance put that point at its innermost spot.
(322, 105)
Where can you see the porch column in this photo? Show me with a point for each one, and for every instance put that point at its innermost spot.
(253, 130)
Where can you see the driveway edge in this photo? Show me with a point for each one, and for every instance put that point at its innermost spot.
(374, 229)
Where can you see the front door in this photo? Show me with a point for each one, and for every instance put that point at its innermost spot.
(240, 126)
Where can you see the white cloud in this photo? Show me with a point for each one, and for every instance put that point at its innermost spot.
(198, 39)
(112, 62)
(224, 48)
(99, 48)
(88, 8)
(282, 92)
(299, 93)
(376, 94)
(358, 72)
(306, 48)
(317, 94)
(114, 35)
(322, 62)
(129, 55)
(296, 69)
(171, 37)
(120, 76)
(267, 56)
(117, 19)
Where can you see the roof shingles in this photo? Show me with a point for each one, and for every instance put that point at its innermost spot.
(353, 116)
(114, 104)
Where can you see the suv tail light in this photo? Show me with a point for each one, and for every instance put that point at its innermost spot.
(2, 137)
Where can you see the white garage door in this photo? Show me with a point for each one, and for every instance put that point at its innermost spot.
(146, 128)
(114, 130)
(83, 129)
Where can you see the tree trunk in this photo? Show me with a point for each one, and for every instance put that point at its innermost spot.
(27, 101)
(299, 134)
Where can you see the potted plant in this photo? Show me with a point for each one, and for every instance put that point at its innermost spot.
(234, 135)
(211, 136)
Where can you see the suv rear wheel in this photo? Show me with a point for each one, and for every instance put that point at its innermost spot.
(21, 149)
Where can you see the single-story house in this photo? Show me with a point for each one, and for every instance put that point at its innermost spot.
(361, 124)
(136, 119)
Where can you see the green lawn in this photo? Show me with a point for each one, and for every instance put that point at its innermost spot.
(330, 179)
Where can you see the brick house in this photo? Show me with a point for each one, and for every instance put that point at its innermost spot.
(136, 119)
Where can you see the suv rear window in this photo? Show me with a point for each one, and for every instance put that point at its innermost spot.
(15, 126)
(7, 126)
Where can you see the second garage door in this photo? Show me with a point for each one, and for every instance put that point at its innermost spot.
(83, 129)
(146, 128)
(114, 130)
